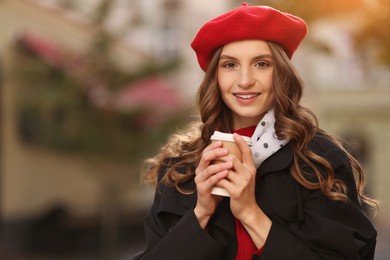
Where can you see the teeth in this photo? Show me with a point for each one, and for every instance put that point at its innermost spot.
(246, 96)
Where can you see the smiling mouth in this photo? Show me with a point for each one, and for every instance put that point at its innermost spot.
(246, 96)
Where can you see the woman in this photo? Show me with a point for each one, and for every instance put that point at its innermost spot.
(296, 194)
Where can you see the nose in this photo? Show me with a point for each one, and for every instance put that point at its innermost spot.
(246, 78)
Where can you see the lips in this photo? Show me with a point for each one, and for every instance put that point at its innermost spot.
(246, 95)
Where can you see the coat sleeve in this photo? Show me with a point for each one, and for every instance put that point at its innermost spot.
(173, 232)
(316, 227)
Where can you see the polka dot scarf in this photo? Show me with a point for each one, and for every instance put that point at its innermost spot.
(264, 140)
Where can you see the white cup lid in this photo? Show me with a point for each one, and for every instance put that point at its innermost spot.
(227, 137)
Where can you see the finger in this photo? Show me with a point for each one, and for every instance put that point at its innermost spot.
(236, 177)
(239, 171)
(231, 158)
(234, 184)
(212, 170)
(210, 153)
(207, 185)
(216, 178)
(226, 184)
(245, 149)
(213, 145)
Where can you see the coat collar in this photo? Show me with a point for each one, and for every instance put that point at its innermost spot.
(278, 161)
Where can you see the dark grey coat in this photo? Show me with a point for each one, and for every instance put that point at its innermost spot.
(305, 225)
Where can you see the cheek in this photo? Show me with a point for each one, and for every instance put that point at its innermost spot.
(223, 84)
(269, 84)
(271, 98)
(271, 95)
(271, 91)
(224, 92)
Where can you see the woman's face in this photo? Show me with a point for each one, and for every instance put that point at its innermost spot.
(245, 79)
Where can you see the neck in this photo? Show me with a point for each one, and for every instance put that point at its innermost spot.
(239, 123)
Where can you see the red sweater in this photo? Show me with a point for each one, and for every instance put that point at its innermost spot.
(246, 247)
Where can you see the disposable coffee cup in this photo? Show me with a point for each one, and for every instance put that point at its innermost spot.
(232, 147)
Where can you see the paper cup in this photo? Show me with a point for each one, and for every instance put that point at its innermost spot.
(228, 143)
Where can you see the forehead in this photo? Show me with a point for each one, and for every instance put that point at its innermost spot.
(246, 47)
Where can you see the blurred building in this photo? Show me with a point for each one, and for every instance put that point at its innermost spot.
(40, 188)
(160, 31)
(351, 96)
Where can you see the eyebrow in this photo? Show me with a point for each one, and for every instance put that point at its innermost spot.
(262, 56)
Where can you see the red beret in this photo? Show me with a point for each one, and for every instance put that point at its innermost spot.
(249, 22)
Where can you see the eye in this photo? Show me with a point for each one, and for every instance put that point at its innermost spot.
(229, 65)
(263, 64)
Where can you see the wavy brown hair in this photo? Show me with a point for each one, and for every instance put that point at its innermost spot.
(183, 150)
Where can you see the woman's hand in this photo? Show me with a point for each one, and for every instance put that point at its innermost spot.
(207, 175)
(240, 183)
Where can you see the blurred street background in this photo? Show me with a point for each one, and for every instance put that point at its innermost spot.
(89, 89)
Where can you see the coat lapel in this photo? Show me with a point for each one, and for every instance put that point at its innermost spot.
(278, 161)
